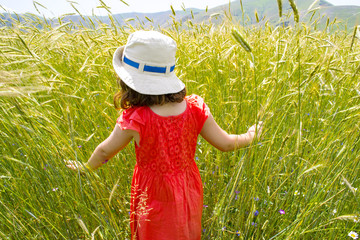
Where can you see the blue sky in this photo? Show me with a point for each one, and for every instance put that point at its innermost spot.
(58, 7)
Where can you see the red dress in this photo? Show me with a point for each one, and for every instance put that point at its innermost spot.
(166, 189)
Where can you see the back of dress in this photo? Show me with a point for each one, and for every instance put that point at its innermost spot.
(167, 194)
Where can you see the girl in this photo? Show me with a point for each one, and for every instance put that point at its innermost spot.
(166, 193)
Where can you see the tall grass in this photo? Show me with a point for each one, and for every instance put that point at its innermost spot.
(56, 103)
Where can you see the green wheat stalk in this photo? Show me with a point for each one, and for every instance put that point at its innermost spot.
(295, 10)
(279, 2)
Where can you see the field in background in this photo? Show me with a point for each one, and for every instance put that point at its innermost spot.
(300, 181)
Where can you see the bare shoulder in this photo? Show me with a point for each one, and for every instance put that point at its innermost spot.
(169, 109)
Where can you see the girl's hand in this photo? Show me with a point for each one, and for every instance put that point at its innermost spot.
(255, 130)
(77, 166)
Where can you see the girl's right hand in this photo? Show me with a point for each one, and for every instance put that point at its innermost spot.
(255, 130)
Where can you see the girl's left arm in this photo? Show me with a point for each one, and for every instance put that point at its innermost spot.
(117, 140)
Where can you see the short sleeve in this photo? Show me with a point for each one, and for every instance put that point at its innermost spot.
(199, 110)
(131, 119)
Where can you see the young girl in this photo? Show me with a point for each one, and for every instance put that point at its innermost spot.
(166, 193)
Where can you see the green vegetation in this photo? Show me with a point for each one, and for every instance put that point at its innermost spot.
(300, 181)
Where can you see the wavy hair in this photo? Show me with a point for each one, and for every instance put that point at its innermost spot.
(127, 97)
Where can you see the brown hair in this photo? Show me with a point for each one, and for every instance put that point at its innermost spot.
(128, 97)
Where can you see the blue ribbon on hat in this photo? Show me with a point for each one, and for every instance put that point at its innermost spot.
(147, 68)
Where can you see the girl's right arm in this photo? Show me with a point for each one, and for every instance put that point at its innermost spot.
(225, 142)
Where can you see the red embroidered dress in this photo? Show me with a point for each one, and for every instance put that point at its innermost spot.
(166, 193)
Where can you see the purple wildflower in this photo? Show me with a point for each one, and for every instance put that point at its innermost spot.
(282, 211)
(105, 161)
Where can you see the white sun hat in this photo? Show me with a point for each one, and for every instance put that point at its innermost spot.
(146, 63)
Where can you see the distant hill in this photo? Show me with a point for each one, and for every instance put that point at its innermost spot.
(349, 15)
(267, 10)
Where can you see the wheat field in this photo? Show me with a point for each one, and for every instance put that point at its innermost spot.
(299, 181)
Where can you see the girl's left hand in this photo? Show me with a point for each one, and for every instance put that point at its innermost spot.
(81, 167)
(76, 165)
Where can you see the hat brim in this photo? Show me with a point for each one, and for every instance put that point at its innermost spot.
(146, 82)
